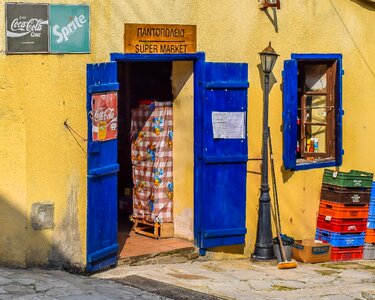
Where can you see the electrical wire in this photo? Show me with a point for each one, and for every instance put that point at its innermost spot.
(73, 133)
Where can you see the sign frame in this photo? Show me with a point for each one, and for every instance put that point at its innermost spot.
(89, 31)
(104, 114)
(6, 28)
(160, 38)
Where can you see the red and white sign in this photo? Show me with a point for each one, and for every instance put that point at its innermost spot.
(104, 116)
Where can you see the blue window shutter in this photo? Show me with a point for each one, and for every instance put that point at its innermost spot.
(339, 149)
(290, 107)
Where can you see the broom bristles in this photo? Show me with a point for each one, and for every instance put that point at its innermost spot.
(287, 265)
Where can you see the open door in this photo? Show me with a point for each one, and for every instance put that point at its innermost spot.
(102, 168)
(223, 205)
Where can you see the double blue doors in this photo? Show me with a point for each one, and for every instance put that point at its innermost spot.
(220, 163)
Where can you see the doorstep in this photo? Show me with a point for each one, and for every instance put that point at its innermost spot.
(172, 256)
(136, 249)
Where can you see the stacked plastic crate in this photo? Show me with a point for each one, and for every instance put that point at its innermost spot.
(343, 212)
(369, 248)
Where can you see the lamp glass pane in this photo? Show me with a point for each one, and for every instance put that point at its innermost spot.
(269, 63)
(263, 61)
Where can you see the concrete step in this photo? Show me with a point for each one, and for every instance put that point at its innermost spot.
(165, 257)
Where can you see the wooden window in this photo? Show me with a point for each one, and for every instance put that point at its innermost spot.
(312, 111)
(316, 111)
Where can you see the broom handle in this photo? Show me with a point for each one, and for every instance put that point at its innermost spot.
(274, 187)
(277, 211)
(283, 256)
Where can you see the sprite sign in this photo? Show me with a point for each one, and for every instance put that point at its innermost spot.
(69, 28)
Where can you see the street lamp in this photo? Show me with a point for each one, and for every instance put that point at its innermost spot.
(263, 245)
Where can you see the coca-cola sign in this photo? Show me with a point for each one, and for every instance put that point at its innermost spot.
(104, 116)
(27, 28)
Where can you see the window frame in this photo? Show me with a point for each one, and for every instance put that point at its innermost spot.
(291, 100)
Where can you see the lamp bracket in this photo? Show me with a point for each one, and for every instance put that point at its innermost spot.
(269, 3)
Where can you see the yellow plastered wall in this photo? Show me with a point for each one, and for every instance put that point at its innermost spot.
(183, 149)
(42, 162)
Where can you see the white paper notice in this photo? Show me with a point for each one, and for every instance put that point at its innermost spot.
(228, 125)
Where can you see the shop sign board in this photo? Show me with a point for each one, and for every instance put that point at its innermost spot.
(26, 28)
(69, 28)
(104, 116)
(160, 38)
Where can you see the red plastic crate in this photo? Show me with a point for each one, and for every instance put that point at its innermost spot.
(346, 253)
(370, 236)
(341, 225)
(342, 211)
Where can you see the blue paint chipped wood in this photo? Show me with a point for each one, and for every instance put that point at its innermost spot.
(340, 150)
(290, 108)
(223, 205)
(102, 170)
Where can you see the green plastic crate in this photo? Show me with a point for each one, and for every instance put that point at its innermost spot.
(352, 179)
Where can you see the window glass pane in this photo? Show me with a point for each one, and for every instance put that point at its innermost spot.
(316, 118)
(316, 138)
(316, 109)
(315, 77)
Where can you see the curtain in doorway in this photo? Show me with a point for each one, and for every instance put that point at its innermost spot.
(153, 165)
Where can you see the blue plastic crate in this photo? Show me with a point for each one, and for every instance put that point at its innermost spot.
(340, 239)
(371, 209)
(371, 222)
(373, 190)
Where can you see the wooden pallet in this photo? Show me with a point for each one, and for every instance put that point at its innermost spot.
(154, 230)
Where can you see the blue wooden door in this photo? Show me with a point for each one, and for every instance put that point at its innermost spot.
(102, 171)
(223, 204)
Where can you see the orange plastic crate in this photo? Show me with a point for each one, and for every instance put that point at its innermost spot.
(370, 236)
(342, 211)
(346, 253)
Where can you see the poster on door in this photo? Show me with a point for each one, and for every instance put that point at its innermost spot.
(104, 116)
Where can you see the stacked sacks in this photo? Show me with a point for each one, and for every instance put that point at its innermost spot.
(343, 212)
(369, 248)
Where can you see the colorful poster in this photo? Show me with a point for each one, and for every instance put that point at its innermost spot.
(26, 28)
(69, 28)
(104, 116)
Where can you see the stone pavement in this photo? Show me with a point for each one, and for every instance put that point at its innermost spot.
(45, 284)
(242, 279)
(199, 279)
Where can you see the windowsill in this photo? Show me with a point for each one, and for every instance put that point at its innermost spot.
(314, 160)
(303, 164)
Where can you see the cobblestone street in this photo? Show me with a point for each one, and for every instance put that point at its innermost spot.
(45, 284)
(198, 279)
(242, 279)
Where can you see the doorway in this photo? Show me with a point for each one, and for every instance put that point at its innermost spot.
(147, 89)
(209, 172)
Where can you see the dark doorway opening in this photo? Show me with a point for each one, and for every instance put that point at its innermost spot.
(140, 82)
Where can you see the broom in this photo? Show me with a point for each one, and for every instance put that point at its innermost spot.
(284, 264)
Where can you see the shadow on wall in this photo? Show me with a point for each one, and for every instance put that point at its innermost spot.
(367, 4)
(286, 174)
(273, 18)
(37, 241)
